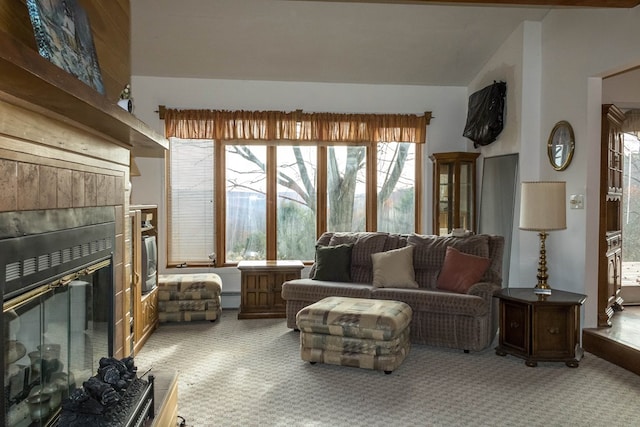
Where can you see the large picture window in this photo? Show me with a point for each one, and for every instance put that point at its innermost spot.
(271, 199)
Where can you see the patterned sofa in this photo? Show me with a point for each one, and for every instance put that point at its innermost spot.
(451, 297)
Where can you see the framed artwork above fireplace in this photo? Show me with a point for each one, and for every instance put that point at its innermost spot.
(64, 37)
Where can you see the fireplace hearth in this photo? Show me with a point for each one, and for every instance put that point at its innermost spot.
(115, 397)
(56, 280)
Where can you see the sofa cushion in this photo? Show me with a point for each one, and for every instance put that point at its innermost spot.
(394, 269)
(460, 271)
(429, 253)
(435, 301)
(314, 290)
(333, 263)
(364, 244)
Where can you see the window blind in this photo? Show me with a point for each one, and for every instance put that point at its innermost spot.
(191, 202)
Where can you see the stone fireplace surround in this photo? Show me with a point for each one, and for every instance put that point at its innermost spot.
(63, 145)
(49, 162)
(50, 165)
(57, 288)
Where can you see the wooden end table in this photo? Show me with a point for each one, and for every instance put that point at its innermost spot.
(261, 287)
(540, 328)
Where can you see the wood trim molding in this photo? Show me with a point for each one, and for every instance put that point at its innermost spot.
(628, 4)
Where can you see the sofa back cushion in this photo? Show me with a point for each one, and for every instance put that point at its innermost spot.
(364, 244)
(429, 253)
(428, 257)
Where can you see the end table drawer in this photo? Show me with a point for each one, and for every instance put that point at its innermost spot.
(514, 322)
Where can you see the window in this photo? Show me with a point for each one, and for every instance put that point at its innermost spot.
(271, 182)
(346, 188)
(396, 179)
(190, 199)
(246, 201)
(296, 186)
(297, 201)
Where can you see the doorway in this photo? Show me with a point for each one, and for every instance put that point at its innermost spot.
(630, 280)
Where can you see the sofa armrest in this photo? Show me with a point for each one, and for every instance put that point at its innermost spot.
(484, 290)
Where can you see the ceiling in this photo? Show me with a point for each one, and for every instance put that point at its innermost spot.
(378, 42)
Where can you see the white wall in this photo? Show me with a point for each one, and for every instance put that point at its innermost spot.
(447, 104)
(559, 77)
(622, 89)
(553, 72)
(578, 48)
(517, 62)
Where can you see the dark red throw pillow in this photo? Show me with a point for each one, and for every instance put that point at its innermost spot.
(460, 271)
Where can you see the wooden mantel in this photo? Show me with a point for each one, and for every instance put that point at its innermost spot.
(546, 3)
(30, 78)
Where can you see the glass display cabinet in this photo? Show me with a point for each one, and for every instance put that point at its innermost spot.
(454, 191)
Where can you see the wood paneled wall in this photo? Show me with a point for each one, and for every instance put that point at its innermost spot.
(110, 22)
(46, 163)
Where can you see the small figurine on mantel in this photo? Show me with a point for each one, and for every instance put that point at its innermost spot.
(126, 101)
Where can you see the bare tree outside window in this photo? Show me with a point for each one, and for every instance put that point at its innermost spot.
(396, 187)
(246, 189)
(296, 212)
(296, 196)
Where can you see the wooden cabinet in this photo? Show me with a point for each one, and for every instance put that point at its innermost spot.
(261, 287)
(454, 191)
(610, 230)
(144, 301)
(540, 327)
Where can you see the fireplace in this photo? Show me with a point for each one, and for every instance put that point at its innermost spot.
(56, 280)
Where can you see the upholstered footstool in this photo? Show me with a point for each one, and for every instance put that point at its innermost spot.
(357, 332)
(189, 297)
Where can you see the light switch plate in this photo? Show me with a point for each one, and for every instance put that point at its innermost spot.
(576, 201)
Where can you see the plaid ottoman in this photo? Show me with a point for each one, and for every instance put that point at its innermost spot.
(189, 297)
(358, 332)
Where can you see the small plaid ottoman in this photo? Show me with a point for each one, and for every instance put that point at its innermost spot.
(189, 297)
(357, 332)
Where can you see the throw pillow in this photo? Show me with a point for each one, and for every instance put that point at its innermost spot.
(394, 269)
(460, 271)
(333, 263)
(364, 244)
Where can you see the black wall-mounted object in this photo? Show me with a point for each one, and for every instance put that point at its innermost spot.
(485, 116)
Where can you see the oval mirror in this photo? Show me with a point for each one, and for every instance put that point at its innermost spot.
(561, 145)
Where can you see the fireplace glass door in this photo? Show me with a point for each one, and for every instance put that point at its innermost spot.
(54, 337)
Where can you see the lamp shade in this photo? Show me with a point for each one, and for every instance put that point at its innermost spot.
(543, 206)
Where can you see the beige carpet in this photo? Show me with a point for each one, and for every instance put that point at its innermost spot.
(249, 373)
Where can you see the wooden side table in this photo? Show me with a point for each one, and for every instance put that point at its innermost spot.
(261, 287)
(540, 328)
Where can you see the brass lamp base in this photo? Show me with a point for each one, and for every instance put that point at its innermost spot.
(542, 288)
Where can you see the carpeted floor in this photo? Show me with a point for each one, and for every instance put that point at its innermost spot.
(249, 373)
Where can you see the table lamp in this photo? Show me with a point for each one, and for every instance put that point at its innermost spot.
(542, 209)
